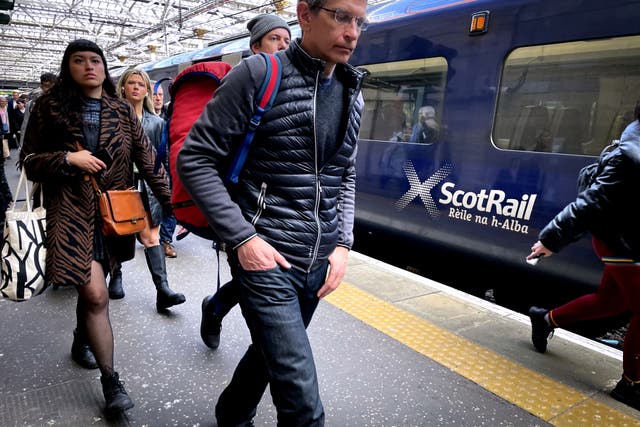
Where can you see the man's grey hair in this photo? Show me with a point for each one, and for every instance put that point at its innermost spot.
(313, 3)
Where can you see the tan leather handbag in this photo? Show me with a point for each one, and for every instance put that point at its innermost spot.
(122, 211)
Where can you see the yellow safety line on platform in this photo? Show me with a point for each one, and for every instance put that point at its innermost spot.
(543, 397)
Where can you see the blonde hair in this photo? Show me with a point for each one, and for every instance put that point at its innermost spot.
(147, 104)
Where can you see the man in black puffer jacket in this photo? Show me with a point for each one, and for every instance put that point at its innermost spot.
(288, 222)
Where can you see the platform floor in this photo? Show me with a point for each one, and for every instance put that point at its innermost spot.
(391, 348)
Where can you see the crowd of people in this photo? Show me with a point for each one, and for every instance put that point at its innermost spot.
(84, 114)
(283, 260)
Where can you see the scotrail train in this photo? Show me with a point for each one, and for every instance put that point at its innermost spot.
(478, 116)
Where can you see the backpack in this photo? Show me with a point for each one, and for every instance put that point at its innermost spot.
(190, 91)
(588, 174)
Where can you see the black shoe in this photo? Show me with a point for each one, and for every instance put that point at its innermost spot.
(115, 285)
(167, 298)
(115, 395)
(627, 393)
(182, 233)
(210, 325)
(81, 352)
(540, 329)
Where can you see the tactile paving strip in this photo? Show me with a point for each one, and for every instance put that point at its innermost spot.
(544, 397)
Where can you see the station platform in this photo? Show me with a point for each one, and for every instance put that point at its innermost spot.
(391, 349)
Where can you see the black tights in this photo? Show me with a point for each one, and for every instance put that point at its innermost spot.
(92, 312)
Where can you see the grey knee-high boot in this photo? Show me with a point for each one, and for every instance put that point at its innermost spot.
(156, 261)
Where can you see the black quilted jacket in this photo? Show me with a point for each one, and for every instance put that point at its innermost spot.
(607, 208)
(302, 208)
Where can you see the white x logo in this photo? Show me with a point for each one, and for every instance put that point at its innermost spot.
(422, 189)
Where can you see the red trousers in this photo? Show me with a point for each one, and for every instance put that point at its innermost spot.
(618, 292)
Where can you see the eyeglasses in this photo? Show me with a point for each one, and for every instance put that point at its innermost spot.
(345, 18)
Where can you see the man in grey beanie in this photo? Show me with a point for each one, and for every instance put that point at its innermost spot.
(269, 33)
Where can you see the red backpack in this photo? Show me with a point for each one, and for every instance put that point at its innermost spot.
(190, 91)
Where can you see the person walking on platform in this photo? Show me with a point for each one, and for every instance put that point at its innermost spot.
(158, 102)
(81, 116)
(269, 34)
(46, 82)
(134, 86)
(169, 223)
(603, 209)
(290, 249)
(6, 197)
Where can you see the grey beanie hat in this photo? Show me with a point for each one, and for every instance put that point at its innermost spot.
(262, 24)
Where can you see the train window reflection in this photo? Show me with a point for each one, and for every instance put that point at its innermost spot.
(403, 100)
(571, 98)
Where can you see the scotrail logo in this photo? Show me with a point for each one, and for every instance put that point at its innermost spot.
(489, 207)
(422, 189)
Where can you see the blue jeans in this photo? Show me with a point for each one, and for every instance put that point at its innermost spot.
(224, 299)
(278, 306)
(167, 228)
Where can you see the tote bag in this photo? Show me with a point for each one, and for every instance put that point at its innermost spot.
(23, 250)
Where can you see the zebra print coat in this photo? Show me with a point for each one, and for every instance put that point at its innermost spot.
(68, 194)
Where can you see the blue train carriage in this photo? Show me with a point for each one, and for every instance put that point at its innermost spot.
(478, 116)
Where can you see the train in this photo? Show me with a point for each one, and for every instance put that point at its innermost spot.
(478, 116)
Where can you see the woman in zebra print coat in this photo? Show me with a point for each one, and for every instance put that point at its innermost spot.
(81, 115)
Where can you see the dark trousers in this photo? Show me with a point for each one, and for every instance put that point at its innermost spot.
(225, 298)
(618, 292)
(277, 305)
(167, 228)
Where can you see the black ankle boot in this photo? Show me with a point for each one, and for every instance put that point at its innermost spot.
(540, 329)
(156, 262)
(115, 284)
(210, 324)
(627, 392)
(81, 352)
(115, 395)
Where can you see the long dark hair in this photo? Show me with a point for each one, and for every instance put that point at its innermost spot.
(65, 98)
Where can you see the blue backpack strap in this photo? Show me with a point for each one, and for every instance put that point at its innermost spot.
(266, 97)
(158, 83)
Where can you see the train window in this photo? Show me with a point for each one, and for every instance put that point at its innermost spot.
(403, 100)
(571, 98)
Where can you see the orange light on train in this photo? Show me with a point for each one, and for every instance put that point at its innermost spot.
(479, 23)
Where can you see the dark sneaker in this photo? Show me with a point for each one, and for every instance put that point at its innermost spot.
(81, 352)
(540, 329)
(115, 395)
(210, 325)
(627, 393)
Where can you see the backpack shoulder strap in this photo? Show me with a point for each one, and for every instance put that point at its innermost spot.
(264, 101)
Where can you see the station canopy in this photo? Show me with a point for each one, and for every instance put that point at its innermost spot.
(130, 32)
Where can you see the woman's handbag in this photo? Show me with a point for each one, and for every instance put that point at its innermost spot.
(122, 211)
(24, 250)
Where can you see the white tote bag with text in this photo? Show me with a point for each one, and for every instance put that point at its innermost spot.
(23, 250)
